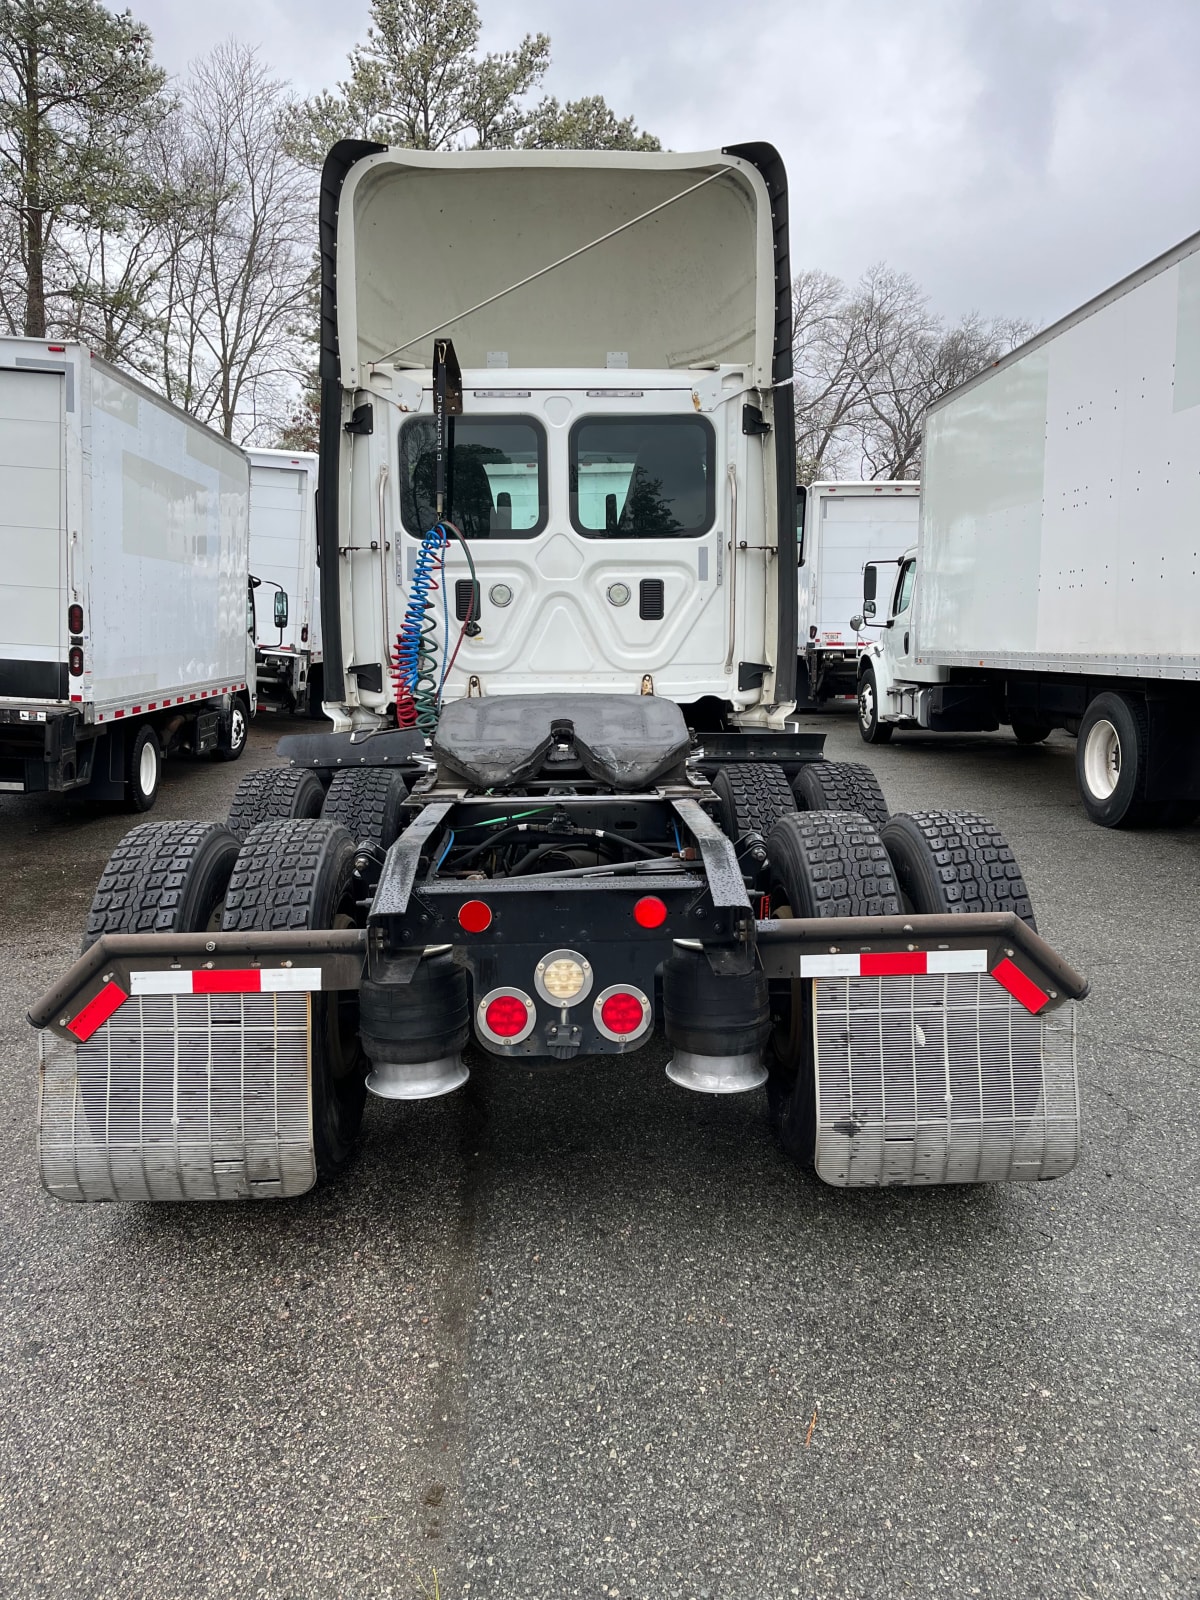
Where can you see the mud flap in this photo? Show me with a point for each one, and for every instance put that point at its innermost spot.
(180, 1097)
(942, 1078)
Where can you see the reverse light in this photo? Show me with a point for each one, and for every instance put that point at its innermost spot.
(474, 916)
(75, 661)
(650, 912)
(622, 1013)
(505, 1016)
(75, 618)
(563, 977)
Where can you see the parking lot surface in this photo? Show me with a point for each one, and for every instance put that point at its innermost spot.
(566, 1332)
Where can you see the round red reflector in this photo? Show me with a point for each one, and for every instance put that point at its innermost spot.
(506, 1015)
(474, 916)
(75, 619)
(650, 912)
(622, 1013)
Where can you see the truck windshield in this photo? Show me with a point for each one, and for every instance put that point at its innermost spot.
(643, 478)
(495, 479)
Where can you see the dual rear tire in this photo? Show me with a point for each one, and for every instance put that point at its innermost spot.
(836, 864)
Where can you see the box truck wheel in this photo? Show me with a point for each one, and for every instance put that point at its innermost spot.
(753, 796)
(819, 864)
(273, 794)
(840, 786)
(955, 861)
(143, 769)
(1112, 762)
(366, 801)
(1031, 732)
(164, 877)
(234, 731)
(300, 874)
(869, 725)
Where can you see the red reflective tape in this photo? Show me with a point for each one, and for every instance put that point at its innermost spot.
(892, 964)
(1022, 988)
(118, 713)
(97, 1012)
(136, 709)
(248, 981)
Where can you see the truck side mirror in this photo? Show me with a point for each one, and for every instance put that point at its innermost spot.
(870, 579)
(868, 608)
(281, 608)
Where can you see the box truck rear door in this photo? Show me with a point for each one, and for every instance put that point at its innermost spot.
(33, 600)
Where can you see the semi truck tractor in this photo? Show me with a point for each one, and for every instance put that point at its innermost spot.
(842, 527)
(124, 630)
(1055, 579)
(563, 810)
(283, 561)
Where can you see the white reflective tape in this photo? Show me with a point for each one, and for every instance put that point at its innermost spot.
(271, 980)
(160, 983)
(277, 978)
(829, 966)
(956, 961)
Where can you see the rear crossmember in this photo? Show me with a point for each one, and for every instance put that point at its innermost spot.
(904, 1010)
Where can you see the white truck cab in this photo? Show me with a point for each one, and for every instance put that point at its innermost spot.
(619, 459)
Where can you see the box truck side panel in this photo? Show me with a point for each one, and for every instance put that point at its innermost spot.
(1122, 500)
(1061, 496)
(167, 548)
(280, 546)
(33, 601)
(855, 529)
(982, 485)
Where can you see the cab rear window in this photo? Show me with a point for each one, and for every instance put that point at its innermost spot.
(643, 477)
(495, 479)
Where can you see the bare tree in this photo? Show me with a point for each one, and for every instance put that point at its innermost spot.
(238, 250)
(869, 362)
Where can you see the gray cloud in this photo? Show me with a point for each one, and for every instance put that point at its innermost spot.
(1016, 156)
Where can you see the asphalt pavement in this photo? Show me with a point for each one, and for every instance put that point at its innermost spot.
(566, 1332)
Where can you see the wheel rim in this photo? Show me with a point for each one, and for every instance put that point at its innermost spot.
(237, 728)
(148, 767)
(1102, 759)
(866, 704)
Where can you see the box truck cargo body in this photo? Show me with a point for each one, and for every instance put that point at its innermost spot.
(845, 526)
(123, 579)
(1057, 573)
(283, 560)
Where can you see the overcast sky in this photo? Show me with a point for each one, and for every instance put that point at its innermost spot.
(1015, 156)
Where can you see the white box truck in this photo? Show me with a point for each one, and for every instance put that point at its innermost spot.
(843, 526)
(1056, 578)
(124, 630)
(283, 560)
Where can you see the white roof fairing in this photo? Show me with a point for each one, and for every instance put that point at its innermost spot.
(423, 237)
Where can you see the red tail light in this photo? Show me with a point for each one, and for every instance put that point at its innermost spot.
(75, 661)
(506, 1016)
(650, 912)
(304, 634)
(474, 916)
(622, 1013)
(75, 619)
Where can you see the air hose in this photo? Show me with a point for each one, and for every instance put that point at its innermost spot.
(414, 665)
(417, 683)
